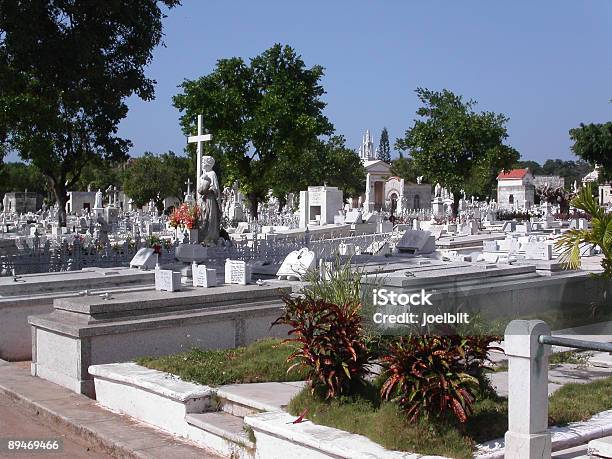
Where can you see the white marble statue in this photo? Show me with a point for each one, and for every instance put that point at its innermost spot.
(99, 200)
(208, 199)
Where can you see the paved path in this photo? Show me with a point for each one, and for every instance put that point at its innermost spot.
(81, 418)
(17, 423)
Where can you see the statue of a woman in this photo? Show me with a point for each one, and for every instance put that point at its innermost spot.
(208, 193)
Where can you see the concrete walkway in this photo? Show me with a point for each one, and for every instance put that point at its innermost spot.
(114, 434)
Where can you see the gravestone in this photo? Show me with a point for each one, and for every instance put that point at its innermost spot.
(237, 272)
(297, 264)
(144, 259)
(338, 219)
(489, 246)
(416, 242)
(380, 248)
(347, 249)
(167, 280)
(509, 245)
(243, 227)
(188, 253)
(509, 227)
(203, 276)
(538, 251)
(353, 216)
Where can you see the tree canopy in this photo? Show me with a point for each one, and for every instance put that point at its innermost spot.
(455, 146)
(156, 177)
(66, 69)
(593, 143)
(263, 117)
(384, 149)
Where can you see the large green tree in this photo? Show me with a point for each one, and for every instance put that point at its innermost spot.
(156, 177)
(455, 146)
(384, 149)
(593, 143)
(66, 68)
(327, 161)
(262, 115)
(19, 176)
(404, 168)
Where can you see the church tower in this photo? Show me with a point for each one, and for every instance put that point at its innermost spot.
(366, 151)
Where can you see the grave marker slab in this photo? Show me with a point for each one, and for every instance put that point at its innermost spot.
(203, 276)
(167, 280)
(297, 264)
(237, 272)
(144, 259)
(416, 242)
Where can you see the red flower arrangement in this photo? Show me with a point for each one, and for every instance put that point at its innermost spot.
(185, 216)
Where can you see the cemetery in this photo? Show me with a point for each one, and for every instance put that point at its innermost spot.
(272, 291)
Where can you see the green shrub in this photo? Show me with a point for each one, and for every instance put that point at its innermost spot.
(331, 344)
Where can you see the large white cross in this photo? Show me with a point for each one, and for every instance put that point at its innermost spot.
(199, 139)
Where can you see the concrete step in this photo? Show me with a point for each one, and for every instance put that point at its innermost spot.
(246, 399)
(224, 426)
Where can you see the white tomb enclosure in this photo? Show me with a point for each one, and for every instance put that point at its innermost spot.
(297, 264)
(80, 202)
(319, 205)
(515, 189)
(237, 272)
(144, 259)
(167, 280)
(203, 276)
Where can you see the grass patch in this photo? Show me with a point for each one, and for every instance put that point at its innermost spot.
(262, 361)
(384, 423)
(578, 402)
(572, 357)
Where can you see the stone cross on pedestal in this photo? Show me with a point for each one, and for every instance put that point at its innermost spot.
(188, 196)
(199, 139)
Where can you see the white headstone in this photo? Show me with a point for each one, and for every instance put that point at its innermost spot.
(144, 259)
(203, 276)
(167, 280)
(346, 249)
(538, 251)
(297, 264)
(237, 272)
(353, 216)
(416, 242)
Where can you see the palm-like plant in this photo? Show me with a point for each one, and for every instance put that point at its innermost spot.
(600, 233)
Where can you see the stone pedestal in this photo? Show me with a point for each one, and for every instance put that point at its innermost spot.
(528, 436)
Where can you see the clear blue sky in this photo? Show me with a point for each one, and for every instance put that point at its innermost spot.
(545, 64)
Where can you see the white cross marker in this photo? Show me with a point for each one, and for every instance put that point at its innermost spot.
(199, 139)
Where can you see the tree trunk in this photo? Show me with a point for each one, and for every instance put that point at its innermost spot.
(455, 205)
(59, 190)
(254, 203)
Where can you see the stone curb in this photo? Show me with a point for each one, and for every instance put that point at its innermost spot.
(106, 441)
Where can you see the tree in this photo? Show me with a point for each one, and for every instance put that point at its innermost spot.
(20, 177)
(455, 146)
(152, 177)
(593, 143)
(384, 150)
(327, 161)
(598, 235)
(66, 68)
(533, 166)
(262, 116)
(404, 168)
